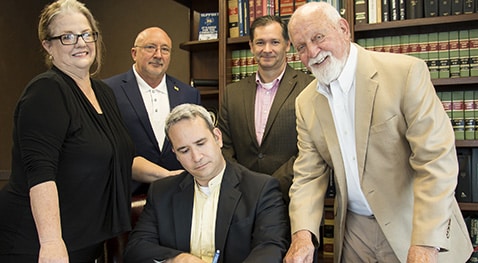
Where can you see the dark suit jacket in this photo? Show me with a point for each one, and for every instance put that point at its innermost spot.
(134, 113)
(251, 226)
(276, 154)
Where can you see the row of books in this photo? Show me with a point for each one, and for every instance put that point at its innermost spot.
(462, 109)
(328, 231)
(472, 224)
(448, 54)
(241, 13)
(378, 11)
(243, 63)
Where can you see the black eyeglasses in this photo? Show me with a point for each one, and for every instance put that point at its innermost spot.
(151, 49)
(72, 39)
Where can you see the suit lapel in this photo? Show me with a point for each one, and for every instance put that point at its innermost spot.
(174, 100)
(249, 93)
(365, 91)
(229, 197)
(131, 89)
(182, 212)
(287, 85)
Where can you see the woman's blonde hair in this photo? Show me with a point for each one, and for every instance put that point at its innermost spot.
(52, 10)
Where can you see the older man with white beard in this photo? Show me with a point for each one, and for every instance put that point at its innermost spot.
(374, 118)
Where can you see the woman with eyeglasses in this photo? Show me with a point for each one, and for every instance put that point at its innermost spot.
(69, 188)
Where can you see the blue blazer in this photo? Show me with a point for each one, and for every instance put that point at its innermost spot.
(135, 116)
(251, 225)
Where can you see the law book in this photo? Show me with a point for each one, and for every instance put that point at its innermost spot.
(457, 7)
(298, 3)
(405, 44)
(458, 114)
(378, 44)
(473, 33)
(370, 43)
(414, 45)
(444, 7)
(243, 63)
(474, 175)
(252, 11)
(240, 15)
(361, 16)
(331, 191)
(394, 10)
(454, 54)
(430, 8)
(372, 11)
(446, 102)
(469, 111)
(286, 7)
(378, 10)
(289, 56)
(463, 191)
(233, 18)
(402, 13)
(328, 232)
(464, 52)
(395, 44)
(414, 9)
(249, 63)
(208, 26)
(423, 47)
(259, 8)
(443, 55)
(387, 44)
(469, 6)
(433, 60)
(385, 10)
(236, 65)
(246, 20)
(475, 107)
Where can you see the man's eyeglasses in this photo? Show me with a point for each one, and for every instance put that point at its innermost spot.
(72, 39)
(151, 49)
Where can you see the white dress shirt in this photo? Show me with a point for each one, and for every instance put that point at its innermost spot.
(341, 97)
(156, 101)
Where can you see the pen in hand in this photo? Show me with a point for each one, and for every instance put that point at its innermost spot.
(215, 259)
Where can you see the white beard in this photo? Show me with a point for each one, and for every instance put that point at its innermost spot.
(325, 74)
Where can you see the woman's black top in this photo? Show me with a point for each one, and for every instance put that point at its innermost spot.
(59, 136)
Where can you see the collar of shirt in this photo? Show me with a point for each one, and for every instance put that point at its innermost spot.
(213, 184)
(270, 85)
(346, 77)
(144, 87)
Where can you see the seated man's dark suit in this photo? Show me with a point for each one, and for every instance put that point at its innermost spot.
(131, 105)
(251, 226)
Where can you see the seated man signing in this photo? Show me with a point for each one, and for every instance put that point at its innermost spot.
(214, 205)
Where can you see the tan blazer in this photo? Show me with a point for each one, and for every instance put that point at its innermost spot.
(406, 159)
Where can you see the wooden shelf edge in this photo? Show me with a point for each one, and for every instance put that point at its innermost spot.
(238, 40)
(466, 143)
(455, 81)
(468, 206)
(198, 45)
(208, 92)
(427, 21)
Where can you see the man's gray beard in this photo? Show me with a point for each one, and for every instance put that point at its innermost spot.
(330, 73)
